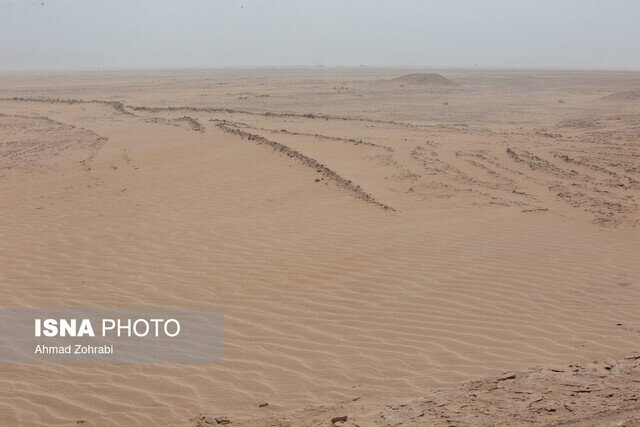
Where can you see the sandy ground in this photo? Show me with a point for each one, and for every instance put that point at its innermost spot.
(370, 240)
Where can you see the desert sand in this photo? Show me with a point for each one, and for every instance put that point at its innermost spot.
(382, 249)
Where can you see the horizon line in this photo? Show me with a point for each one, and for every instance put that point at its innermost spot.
(317, 67)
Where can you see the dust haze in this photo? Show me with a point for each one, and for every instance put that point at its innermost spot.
(67, 34)
(446, 235)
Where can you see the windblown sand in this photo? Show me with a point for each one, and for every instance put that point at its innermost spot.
(368, 243)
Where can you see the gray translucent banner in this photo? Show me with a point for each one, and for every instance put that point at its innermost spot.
(111, 335)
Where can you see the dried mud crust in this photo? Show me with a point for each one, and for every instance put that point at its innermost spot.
(586, 394)
(27, 142)
(598, 393)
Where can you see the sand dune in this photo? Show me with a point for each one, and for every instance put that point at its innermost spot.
(368, 246)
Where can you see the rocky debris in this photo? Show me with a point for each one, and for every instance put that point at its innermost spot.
(203, 420)
(506, 376)
(611, 199)
(193, 123)
(539, 164)
(341, 419)
(590, 394)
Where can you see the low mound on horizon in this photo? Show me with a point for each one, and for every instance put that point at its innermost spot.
(630, 95)
(423, 79)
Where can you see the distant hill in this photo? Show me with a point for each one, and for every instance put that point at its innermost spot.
(423, 79)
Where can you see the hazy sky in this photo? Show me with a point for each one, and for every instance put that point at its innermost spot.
(213, 33)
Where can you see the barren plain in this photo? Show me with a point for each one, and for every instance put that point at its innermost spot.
(372, 239)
